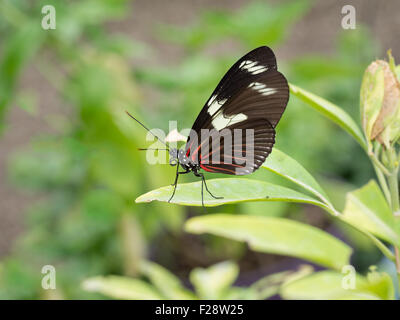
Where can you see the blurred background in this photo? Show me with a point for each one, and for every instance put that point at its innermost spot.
(69, 165)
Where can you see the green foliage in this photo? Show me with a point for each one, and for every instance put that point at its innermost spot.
(285, 166)
(276, 235)
(122, 288)
(331, 111)
(329, 285)
(90, 169)
(19, 46)
(335, 77)
(366, 210)
(215, 282)
(231, 191)
(257, 23)
(164, 281)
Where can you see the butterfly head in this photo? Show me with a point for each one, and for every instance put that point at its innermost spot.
(182, 158)
(178, 156)
(173, 153)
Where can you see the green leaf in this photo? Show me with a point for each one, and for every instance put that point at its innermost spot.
(276, 235)
(367, 210)
(270, 285)
(166, 282)
(332, 285)
(215, 281)
(121, 288)
(331, 111)
(381, 246)
(285, 166)
(380, 283)
(233, 190)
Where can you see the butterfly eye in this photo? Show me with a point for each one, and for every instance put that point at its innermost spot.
(173, 162)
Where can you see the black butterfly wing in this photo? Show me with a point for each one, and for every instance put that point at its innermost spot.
(237, 77)
(251, 95)
(239, 156)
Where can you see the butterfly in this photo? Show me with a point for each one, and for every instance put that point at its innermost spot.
(250, 98)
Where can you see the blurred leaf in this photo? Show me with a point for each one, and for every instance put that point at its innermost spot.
(259, 23)
(75, 19)
(166, 282)
(333, 112)
(214, 282)
(314, 67)
(366, 209)
(98, 11)
(64, 166)
(101, 206)
(398, 72)
(195, 73)
(18, 280)
(255, 24)
(122, 45)
(358, 46)
(232, 191)
(18, 47)
(28, 101)
(276, 235)
(285, 166)
(94, 157)
(93, 87)
(381, 283)
(270, 285)
(133, 244)
(121, 288)
(329, 285)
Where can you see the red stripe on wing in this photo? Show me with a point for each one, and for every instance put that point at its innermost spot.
(216, 169)
(206, 169)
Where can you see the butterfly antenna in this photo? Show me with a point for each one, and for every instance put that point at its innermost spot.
(145, 149)
(146, 129)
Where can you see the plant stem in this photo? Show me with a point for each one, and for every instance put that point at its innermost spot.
(383, 184)
(394, 195)
(377, 163)
(397, 255)
(394, 189)
(381, 171)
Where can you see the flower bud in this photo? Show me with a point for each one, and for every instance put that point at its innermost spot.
(380, 103)
(371, 97)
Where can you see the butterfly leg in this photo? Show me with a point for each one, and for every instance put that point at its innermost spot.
(202, 196)
(176, 181)
(175, 184)
(205, 184)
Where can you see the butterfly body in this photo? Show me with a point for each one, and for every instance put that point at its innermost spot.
(179, 157)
